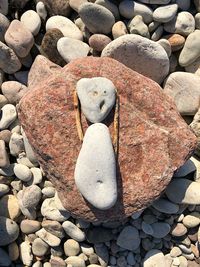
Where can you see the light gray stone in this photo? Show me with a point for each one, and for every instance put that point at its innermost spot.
(37, 175)
(4, 189)
(183, 24)
(29, 226)
(9, 62)
(16, 144)
(110, 6)
(28, 213)
(192, 220)
(29, 150)
(31, 196)
(165, 206)
(164, 14)
(156, 35)
(140, 54)
(95, 171)
(197, 21)
(129, 238)
(73, 231)
(191, 49)
(166, 45)
(4, 159)
(184, 88)
(129, 9)
(154, 258)
(51, 240)
(97, 97)
(65, 25)
(70, 48)
(183, 191)
(50, 211)
(8, 116)
(75, 261)
(9, 231)
(137, 26)
(4, 24)
(39, 247)
(31, 20)
(160, 229)
(4, 258)
(41, 10)
(97, 18)
(72, 248)
(26, 253)
(48, 191)
(22, 172)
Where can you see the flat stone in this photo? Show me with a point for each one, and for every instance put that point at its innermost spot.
(137, 26)
(51, 240)
(139, 54)
(29, 226)
(183, 191)
(183, 24)
(31, 20)
(178, 230)
(187, 168)
(4, 159)
(8, 115)
(191, 49)
(164, 14)
(129, 9)
(129, 238)
(97, 18)
(50, 210)
(95, 171)
(65, 25)
(4, 258)
(97, 97)
(13, 91)
(73, 231)
(70, 49)
(191, 220)
(9, 231)
(4, 24)
(39, 247)
(49, 46)
(9, 207)
(160, 229)
(99, 41)
(152, 129)
(19, 38)
(9, 62)
(22, 172)
(42, 68)
(71, 247)
(184, 87)
(165, 206)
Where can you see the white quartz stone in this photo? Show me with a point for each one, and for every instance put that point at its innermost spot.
(97, 96)
(95, 171)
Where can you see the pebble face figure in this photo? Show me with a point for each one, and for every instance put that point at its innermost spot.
(95, 171)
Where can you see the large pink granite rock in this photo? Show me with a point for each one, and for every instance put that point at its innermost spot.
(153, 138)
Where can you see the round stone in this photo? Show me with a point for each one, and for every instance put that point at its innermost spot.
(71, 247)
(9, 207)
(160, 229)
(39, 247)
(110, 6)
(166, 45)
(178, 230)
(65, 25)
(140, 54)
(41, 10)
(154, 258)
(70, 49)
(97, 18)
(99, 41)
(164, 14)
(119, 29)
(9, 231)
(73, 231)
(13, 251)
(75, 261)
(22, 172)
(176, 41)
(57, 7)
(29, 226)
(31, 196)
(13, 91)
(137, 26)
(129, 238)
(31, 20)
(191, 220)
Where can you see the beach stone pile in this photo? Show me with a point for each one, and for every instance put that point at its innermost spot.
(43, 45)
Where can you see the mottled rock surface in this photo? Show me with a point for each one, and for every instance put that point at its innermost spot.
(151, 132)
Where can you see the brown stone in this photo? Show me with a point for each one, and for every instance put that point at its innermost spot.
(49, 46)
(99, 41)
(57, 7)
(176, 41)
(153, 139)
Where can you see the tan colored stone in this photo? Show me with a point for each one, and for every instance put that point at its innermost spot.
(9, 207)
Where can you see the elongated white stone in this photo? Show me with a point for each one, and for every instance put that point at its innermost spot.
(97, 96)
(95, 171)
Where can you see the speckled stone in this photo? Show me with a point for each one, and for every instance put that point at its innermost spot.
(148, 173)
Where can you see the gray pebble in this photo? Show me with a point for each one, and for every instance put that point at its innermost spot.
(9, 231)
(37, 175)
(29, 226)
(165, 14)
(183, 5)
(51, 240)
(4, 24)
(160, 229)
(4, 159)
(39, 247)
(75, 261)
(97, 19)
(137, 26)
(4, 189)
(16, 144)
(31, 20)
(110, 6)
(197, 21)
(73, 231)
(129, 238)
(53, 227)
(156, 35)
(187, 168)
(4, 258)
(4, 7)
(3, 101)
(165, 206)
(48, 192)
(31, 196)
(166, 45)
(8, 116)
(22, 172)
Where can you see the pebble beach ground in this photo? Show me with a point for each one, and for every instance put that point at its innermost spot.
(35, 229)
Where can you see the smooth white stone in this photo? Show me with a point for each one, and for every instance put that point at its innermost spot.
(31, 21)
(70, 48)
(164, 14)
(41, 10)
(22, 172)
(65, 25)
(9, 114)
(95, 171)
(97, 96)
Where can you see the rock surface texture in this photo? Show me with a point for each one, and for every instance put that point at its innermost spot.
(151, 132)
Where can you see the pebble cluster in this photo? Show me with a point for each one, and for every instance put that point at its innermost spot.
(157, 38)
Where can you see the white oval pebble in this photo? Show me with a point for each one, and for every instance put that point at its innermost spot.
(73, 231)
(65, 25)
(164, 14)
(9, 114)
(31, 21)
(41, 10)
(71, 49)
(95, 171)
(22, 172)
